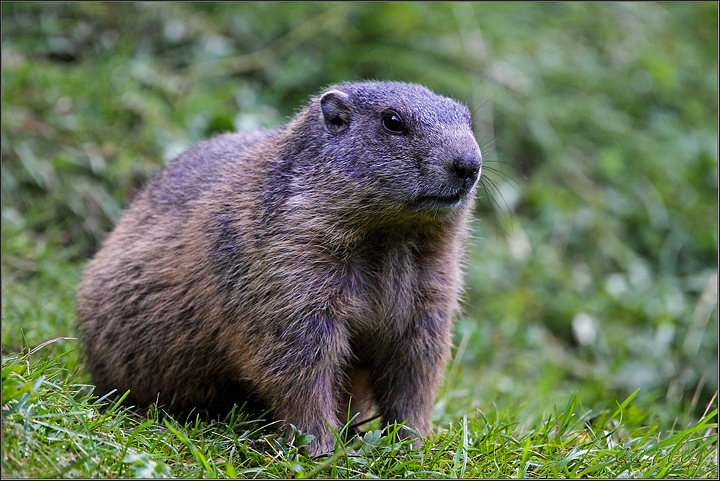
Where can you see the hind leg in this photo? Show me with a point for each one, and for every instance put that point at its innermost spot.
(357, 405)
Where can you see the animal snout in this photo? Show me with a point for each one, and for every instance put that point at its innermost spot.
(467, 169)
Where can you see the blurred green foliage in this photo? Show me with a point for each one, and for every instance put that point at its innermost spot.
(594, 266)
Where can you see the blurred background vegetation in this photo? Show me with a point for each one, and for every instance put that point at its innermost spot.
(594, 261)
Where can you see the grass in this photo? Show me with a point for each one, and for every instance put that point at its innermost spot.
(54, 427)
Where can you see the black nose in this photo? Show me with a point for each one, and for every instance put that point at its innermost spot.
(467, 169)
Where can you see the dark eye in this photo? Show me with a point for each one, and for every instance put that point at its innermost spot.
(393, 123)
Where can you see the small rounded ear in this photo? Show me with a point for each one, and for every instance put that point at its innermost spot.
(336, 110)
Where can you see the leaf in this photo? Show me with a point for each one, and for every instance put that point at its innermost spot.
(145, 467)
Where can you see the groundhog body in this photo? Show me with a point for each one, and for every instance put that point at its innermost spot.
(294, 268)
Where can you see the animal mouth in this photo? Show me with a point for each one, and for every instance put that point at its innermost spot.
(443, 200)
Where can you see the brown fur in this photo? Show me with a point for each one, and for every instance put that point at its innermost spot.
(295, 267)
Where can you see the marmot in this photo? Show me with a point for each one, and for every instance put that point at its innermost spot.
(294, 268)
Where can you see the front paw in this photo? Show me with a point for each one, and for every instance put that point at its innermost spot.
(321, 448)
